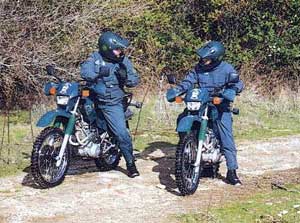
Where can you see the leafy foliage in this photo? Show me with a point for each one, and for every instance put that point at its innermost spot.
(261, 36)
(261, 31)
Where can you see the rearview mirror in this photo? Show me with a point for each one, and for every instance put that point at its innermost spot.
(50, 70)
(171, 79)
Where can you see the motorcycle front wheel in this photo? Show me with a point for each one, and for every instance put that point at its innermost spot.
(186, 174)
(44, 156)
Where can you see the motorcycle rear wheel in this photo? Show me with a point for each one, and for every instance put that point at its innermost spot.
(110, 160)
(43, 158)
(187, 179)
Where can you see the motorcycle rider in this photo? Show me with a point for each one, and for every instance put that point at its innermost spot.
(212, 72)
(109, 70)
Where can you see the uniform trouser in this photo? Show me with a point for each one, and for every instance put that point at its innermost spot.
(115, 118)
(223, 129)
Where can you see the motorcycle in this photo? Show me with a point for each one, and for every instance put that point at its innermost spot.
(74, 128)
(199, 151)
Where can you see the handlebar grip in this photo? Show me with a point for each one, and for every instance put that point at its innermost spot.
(235, 111)
(137, 104)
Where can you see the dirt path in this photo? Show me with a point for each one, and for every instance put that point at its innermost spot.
(87, 195)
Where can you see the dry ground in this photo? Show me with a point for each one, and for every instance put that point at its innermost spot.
(87, 195)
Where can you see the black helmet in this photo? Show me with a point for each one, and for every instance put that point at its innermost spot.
(112, 46)
(213, 51)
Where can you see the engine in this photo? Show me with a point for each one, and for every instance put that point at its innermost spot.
(86, 139)
(212, 152)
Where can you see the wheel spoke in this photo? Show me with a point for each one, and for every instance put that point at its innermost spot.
(47, 162)
(189, 155)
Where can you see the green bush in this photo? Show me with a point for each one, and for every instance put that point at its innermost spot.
(261, 36)
(264, 31)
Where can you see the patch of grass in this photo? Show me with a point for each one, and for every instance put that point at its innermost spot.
(14, 158)
(262, 118)
(17, 128)
(259, 118)
(12, 169)
(157, 123)
(15, 142)
(276, 206)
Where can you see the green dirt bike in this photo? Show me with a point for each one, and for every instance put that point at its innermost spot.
(199, 151)
(74, 128)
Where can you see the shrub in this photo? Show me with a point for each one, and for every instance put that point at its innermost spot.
(262, 38)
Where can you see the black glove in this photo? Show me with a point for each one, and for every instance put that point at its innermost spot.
(104, 71)
(121, 72)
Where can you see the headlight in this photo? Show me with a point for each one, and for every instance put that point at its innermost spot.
(62, 100)
(193, 105)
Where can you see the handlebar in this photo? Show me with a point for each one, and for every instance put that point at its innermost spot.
(128, 101)
(235, 111)
(136, 104)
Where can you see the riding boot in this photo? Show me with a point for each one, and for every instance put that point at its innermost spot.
(132, 170)
(232, 178)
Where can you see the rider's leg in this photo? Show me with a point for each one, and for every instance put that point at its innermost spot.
(224, 125)
(114, 115)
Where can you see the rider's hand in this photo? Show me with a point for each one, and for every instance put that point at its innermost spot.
(172, 93)
(121, 71)
(229, 94)
(104, 71)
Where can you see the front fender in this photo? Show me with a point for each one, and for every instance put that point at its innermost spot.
(50, 116)
(186, 123)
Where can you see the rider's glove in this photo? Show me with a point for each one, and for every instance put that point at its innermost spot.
(172, 93)
(229, 94)
(121, 72)
(104, 71)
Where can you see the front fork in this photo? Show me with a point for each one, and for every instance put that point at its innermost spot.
(68, 132)
(201, 138)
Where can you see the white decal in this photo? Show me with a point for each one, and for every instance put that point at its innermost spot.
(65, 88)
(195, 94)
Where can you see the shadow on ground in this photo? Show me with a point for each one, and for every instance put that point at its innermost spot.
(163, 153)
(78, 166)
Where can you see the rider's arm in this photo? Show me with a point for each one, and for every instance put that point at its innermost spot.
(188, 82)
(233, 87)
(132, 78)
(88, 68)
(238, 86)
